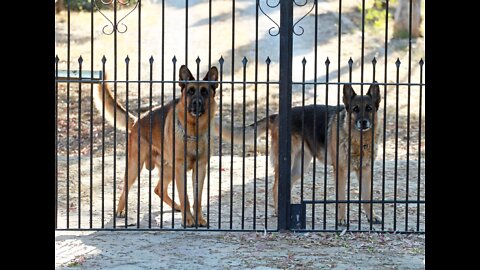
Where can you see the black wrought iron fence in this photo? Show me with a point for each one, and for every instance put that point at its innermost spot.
(278, 91)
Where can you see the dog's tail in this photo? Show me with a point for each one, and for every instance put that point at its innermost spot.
(262, 126)
(100, 98)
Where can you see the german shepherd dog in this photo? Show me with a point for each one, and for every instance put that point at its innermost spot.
(358, 110)
(168, 126)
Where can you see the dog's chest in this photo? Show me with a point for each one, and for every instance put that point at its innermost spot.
(360, 154)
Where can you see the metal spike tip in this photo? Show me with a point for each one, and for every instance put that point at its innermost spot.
(397, 63)
(421, 62)
(56, 58)
(304, 61)
(80, 59)
(198, 60)
(350, 62)
(268, 61)
(221, 60)
(374, 61)
(244, 60)
(104, 59)
(151, 59)
(127, 59)
(327, 62)
(174, 59)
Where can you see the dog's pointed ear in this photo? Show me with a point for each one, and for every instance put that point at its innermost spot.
(374, 93)
(212, 75)
(348, 95)
(185, 75)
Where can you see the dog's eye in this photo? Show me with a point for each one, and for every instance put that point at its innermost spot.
(356, 109)
(204, 91)
(191, 91)
(368, 108)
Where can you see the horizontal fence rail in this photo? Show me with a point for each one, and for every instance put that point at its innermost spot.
(226, 160)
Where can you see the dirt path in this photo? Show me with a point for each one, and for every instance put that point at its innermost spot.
(218, 250)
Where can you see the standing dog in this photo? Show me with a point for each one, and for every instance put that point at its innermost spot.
(168, 126)
(357, 116)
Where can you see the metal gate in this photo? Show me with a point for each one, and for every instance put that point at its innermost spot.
(271, 56)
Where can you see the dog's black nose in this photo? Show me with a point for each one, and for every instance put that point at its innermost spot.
(196, 104)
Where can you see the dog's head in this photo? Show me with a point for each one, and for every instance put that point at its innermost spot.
(197, 95)
(362, 109)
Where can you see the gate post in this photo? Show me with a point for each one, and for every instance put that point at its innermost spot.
(285, 96)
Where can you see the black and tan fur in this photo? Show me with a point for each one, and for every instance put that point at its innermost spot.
(196, 97)
(363, 113)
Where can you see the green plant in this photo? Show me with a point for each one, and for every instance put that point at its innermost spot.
(375, 15)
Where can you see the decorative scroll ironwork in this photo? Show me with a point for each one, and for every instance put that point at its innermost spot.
(119, 26)
(275, 30)
(301, 5)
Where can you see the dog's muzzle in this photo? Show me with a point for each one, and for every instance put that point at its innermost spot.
(363, 125)
(196, 107)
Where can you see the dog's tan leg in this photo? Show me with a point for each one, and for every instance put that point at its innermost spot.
(366, 183)
(342, 183)
(197, 201)
(133, 167)
(167, 178)
(187, 217)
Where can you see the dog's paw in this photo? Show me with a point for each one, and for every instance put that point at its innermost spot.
(176, 208)
(120, 214)
(189, 222)
(342, 221)
(202, 222)
(375, 220)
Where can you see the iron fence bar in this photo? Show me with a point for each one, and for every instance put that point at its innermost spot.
(302, 165)
(327, 65)
(408, 111)
(397, 63)
(79, 126)
(125, 183)
(350, 63)
(267, 61)
(339, 46)
(220, 61)
(374, 63)
(203, 230)
(139, 4)
(174, 61)
(419, 144)
(244, 62)
(255, 126)
(246, 230)
(150, 152)
(239, 82)
(91, 110)
(186, 39)
(162, 129)
(195, 185)
(56, 143)
(232, 112)
(209, 110)
(104, 60)
(365, 201)
(314, 166)
(362, 64)
(285, 104)
(385, 111)
(68, 116)
(184, 96)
